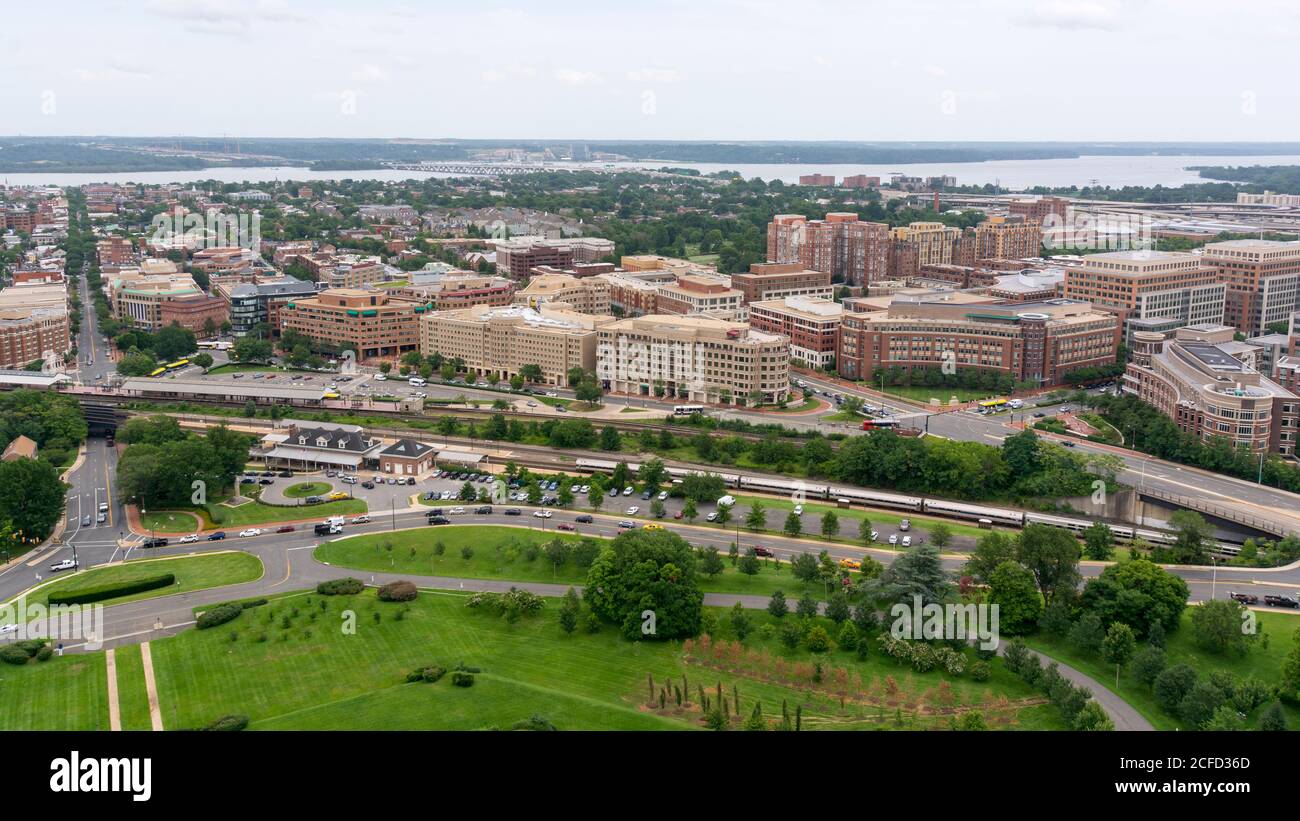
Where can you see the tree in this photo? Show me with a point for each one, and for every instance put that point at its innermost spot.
(793, 525)
(203, 360)
(917, 571)
(689, 512)
(940, 535)
(589, 391)
(644, 570)
(807, 606)
(1012, 589)
(711, 562)
(531, 373)
(251, 349)
(1273, 719)
(991, 550)
(609, 439)
(749, 564)
(1193, 535)
(1217, 627)
(1148, 663)
(1200, 703)
(1052, 555)
(724, 514)
(740, 621)
(837, 609)
(1098, 541)
(804, 567)
(756, 519)
(1092, 717)
(570, 609)
(31, 498)
(1020, 452)
(1172, 685)
(776, 606)
(1139, 593)
(1118, 646)
(830, 525)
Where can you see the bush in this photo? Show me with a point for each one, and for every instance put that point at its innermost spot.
(229, 723)
(462, 679)
(980, 671)
(220, 614)
(398, 591)
(112, 591)
(44, 653)
(340, 587)
(432, 674)
(10, 654)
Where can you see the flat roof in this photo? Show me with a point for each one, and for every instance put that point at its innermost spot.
(156, 385)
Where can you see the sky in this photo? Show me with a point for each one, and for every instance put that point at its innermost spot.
(859, 70)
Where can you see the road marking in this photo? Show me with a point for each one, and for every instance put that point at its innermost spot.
(114, 710)
(151, 688)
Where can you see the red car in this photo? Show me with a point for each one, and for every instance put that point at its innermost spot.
(564, 526)
(677, 515)
(285, 529)
(762, 551)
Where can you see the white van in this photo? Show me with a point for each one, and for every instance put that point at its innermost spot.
(416, 382)
(1015, 404)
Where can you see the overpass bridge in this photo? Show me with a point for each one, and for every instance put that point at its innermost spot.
(468, 169)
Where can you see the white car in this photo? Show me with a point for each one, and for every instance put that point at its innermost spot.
(552, 394)
(66, 564)
(893, 538)
(379, 377)
(6, 629)
(633, 510)
(193, 537)
(542, 514)
(627, 491)
(456, 511)
(252, 531)
(712, 517)
(907, 541)
(663, 494)
(361, 520)
(874, 536)
(798, 510)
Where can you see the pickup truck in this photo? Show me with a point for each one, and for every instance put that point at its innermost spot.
(1281, 601)
(1244, 598)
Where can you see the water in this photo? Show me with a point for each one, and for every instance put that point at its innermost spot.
(1115, 171)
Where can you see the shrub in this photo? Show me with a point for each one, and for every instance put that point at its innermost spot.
(1172, 685)
(432, 674)
(462, 679)
(13, 655)
(398, 591)
(44, 653)
(220, 614)
(229, 723)
(114, 590)
(340, 587)
(980, 671)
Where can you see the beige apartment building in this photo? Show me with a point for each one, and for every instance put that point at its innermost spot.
(1263, 281)
(933, 241)
(502, 340)
(1154, 291)
(1008, 238)
(696, 358)
(372, 324)
(850, 250)
(777, 280)
(586, 295)
(1195, 380)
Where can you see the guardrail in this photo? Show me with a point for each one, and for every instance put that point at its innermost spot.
(1265, 525)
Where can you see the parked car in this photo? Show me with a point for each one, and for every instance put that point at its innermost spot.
(66, 564)
(627, 491)
(633, 510)
(893, 538)
(216, 537)
(368, 485)
(712, 517)
(907, 541)
(905, 525)
(663, 495)
(645, 496)
(798, 510)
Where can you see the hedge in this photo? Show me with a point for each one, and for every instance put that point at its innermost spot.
(10, 654)
(220, 614)
(229, 723)
(340, 587)
(461, 679)
(86, 595)
(398, 591)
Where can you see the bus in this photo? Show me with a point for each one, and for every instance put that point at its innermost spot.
(329, 395)
(177, 365)
(215, 344)
(158, 372)
(993, 404)
(880, 424)
(687, 410)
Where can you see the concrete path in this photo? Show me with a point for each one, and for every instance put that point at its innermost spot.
(151, 688)
(114, 709)
(1121, 713)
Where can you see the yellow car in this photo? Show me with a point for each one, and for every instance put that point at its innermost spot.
(652, 526)
(849, 564)
(337, 495)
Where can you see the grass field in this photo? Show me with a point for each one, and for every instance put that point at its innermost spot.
(171, 521)
(257, 513)
(796, 405)
(501, 553)
(192, 573)
(304, 489)
(132, 697)
(1181, 647)
(65, 693)
(312, 675)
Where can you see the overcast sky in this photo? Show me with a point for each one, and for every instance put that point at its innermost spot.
(656, 69)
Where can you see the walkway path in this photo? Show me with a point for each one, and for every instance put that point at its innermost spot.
(151, 687)
(114, 709)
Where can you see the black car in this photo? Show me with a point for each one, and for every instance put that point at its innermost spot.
(583, 519)
(439, 520)
(266, 481)
(437, 511)
(513, 511)
(1281, 601)
(286, 474)
(483, 509)
(218, 536)
(156, 541)
(1244, 598)
(368, 485)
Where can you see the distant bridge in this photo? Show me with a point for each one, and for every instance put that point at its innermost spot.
(468, 169)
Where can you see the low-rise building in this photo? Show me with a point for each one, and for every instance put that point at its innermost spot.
(504, 340)
(777, 280)
(811, 324)
(369, 323)
(589, 295)
(407, 457)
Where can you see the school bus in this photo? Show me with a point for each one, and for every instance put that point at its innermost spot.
(158, 372)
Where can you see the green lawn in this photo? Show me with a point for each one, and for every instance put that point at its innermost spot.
(794, 406)
(304, 489)
(501, 553)
(844, 416)
(1263, 663)
(192, 573)
(258, 513)
(235, 367)
(630, 409)
(813, 511)
(312, 675)
(132, 697)
(171, 521)
(65, 693)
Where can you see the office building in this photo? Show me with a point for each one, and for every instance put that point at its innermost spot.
(1154, 291)
(777, 280)
(373, 325)
(811, 324)
(851, 251)
(1262, 278)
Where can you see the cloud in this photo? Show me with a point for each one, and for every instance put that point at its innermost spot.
(656, 75)
(204, 17)
(369, 73)
(935, 71)
(574, 77)
(115, 73)
(1072, 15)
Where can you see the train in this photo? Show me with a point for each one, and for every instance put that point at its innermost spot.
(915, 504)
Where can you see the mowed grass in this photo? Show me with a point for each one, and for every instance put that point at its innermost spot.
(192, 573)
(313, 675)
(1263, 663)
(132, 697)
(171, 521)
(305, 489)
(500, 552)
(259, 513)
(65, 693)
